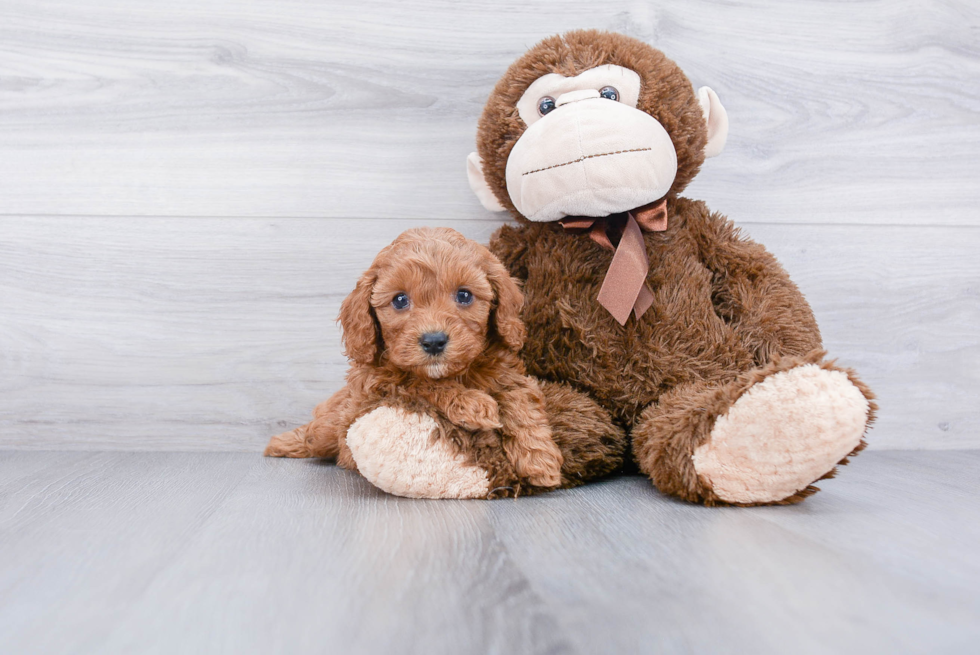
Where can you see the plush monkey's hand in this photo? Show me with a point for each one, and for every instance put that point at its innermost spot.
(399, 452)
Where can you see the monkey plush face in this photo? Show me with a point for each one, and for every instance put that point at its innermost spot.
(591, 124)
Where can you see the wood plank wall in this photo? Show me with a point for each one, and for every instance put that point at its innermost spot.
(188, 189)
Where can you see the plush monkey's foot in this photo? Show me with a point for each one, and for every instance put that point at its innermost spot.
(784, 433)
(762, 438)
(397, 452)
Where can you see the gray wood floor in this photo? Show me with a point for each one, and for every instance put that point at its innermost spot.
(111, 552)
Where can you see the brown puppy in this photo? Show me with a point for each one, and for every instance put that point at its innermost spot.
(433, 328)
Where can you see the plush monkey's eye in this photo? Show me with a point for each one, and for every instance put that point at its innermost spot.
(400, 301)
(545, 105)
(464, 297)
(609, 93)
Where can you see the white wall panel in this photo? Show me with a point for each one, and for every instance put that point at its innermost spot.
(214, 333)
(863, 112)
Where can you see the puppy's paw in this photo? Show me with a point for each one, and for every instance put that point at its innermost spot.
(537, 459)
(474, 410)
(546, 478)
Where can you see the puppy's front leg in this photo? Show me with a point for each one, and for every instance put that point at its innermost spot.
(527, 435)
(470, 408)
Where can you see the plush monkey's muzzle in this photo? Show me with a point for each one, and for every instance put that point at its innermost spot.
(590, 157)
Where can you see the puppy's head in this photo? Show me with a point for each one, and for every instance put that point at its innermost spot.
(430, 303)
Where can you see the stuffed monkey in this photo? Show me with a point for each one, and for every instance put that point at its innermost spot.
(690, 336)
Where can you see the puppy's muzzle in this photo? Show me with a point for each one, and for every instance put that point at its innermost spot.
(433, 343)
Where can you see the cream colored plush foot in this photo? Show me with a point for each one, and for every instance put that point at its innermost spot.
(395, 451)
(783, 434)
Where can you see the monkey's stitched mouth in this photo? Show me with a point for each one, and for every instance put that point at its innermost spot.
(575, 161)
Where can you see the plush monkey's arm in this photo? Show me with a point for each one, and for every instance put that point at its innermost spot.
(751, 291)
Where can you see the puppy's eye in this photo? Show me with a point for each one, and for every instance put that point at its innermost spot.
(609, 93)
(464, 297)
(400, 301)
(545, 105)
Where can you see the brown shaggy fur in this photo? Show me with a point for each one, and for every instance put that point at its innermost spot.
(476, 389)
(725, 314)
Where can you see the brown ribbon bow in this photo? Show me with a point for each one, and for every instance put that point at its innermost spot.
(624, 288)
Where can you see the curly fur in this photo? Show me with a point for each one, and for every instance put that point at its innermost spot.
(476, 390)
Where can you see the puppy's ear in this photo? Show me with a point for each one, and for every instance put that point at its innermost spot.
(362, 333)
(505, 319)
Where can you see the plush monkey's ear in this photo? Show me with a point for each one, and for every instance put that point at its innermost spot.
(717, 119)
(474, 171)
(362, 334)
(506, 316)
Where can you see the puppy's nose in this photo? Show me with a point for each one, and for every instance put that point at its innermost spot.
(434, 342)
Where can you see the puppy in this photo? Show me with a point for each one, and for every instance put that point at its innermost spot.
(433, 327)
